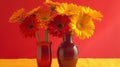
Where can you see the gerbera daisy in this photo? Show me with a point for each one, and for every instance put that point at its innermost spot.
(93, 13)
(59, 26)
(82, 26)
(29, 26)
(44, 16)
(68, 9)
(33, 11)
(52, 5)
(17, 16)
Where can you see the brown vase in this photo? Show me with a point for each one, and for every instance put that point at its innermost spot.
(67, 52)
(44, 57)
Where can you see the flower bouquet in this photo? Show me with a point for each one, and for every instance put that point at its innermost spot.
(61, 20)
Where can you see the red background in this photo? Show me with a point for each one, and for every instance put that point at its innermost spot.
(104, 43)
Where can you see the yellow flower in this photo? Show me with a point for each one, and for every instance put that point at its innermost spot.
(68, 9)
(82, 26)
(93, 13)
(82, 23)
(33, 11)
(17, 16)
(64, 8)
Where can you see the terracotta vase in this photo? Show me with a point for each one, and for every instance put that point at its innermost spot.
(44, 57)
(67, 53)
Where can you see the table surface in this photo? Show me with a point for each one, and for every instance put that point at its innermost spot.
(82, 62)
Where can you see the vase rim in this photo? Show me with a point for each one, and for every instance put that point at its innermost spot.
(44, 43)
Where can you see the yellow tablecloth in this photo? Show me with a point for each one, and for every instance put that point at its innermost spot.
(82, 62)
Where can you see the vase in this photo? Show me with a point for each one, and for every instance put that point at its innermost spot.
(44, 57)
(67, 53)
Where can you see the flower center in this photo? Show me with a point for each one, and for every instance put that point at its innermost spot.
(59, 25)
(79, 25)
(44, 18)
(31, 26)
(52, 8)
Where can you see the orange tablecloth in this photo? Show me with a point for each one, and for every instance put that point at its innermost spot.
(82, 62)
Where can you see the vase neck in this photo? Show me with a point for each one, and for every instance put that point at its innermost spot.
(68, 38)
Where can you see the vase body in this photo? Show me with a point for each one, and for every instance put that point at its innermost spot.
(44, 57)
(67, 53)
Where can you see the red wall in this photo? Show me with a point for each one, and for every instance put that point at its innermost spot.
(104, 43)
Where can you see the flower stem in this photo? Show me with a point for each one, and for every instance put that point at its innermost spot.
(46, 35)
(38, 36)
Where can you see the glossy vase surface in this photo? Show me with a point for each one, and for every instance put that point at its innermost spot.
(67, 53)
(44, 57)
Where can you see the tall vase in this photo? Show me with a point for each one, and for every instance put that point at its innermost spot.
(44, 57)
(67, 52)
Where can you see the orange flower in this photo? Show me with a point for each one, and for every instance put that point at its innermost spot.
(17, 16)
(33, 11)
(44, 16)
(52, 5)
